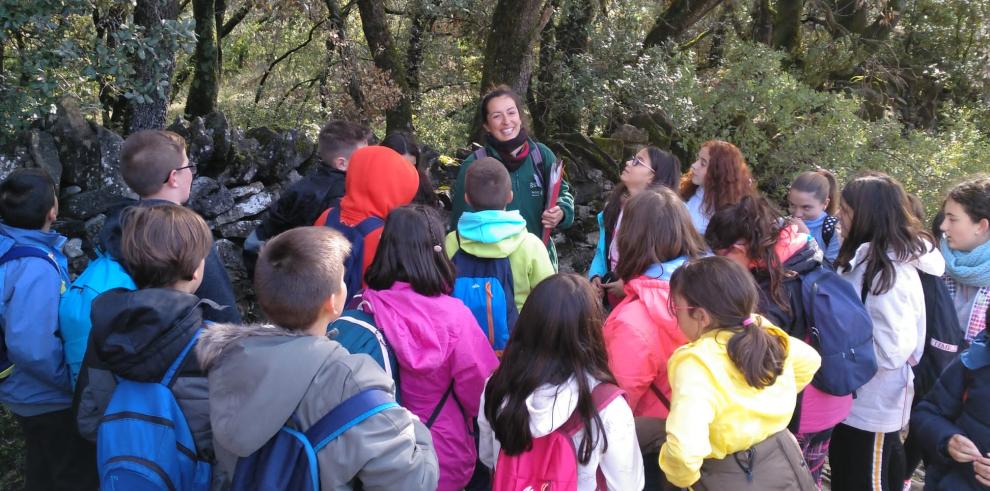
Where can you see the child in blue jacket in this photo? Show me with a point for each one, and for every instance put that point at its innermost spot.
(36, 387)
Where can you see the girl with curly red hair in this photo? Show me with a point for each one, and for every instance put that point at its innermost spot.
(718, 178)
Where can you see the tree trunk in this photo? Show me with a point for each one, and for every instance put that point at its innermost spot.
(679, 17)
(762, 28)
(387, 59)
(509, 56)
(422, 22)
(106, 24)
(220, 11)
(205, 84)
(155, 72)
(337, 42)
(787, 24)
(557, 100)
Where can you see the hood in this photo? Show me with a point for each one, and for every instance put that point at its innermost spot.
(930, 262)
(33, 237)
(138, 334)
(491, 233)
(416, 325)
(378, 181)
(797, 251)
(550, 406)
(258, 377)
(112, 230)
(653, 288)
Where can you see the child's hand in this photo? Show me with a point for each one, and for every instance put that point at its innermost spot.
(552, 217)
(616, 288)
(597, 283)
(982, 469)
(963, 450)
(801, 226)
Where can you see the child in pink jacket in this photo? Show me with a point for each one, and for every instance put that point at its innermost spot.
(641, 333)
(444, 357)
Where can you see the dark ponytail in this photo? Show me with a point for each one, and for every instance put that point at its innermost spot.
(758, 354)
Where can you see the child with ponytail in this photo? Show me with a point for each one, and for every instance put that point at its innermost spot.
(734, 386)
(814, 199)
(755, 235)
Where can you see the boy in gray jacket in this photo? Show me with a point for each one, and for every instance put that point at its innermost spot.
(263, 376)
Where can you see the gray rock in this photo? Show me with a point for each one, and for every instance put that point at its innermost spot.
(88, 204)
(73, 248)
(202, 186)
(293, 177)
(90, 154)
(230, 256)
(251, 189)
(70, 190)
(239, 230)
(211, 199)
(7, 165)
(631, 134)
(93, 228)
(231, 216)
(255, 204)
(44, 153)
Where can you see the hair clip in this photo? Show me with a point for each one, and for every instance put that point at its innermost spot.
(438, 248)
(747, 322)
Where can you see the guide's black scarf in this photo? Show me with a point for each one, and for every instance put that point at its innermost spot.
(505, 149)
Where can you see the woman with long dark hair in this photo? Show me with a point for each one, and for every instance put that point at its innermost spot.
(649, 168)
(884, 246)
(528, 162)
(443, 355)
(554, 361)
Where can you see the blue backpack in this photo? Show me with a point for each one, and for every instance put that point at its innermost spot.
(356, 331)
(840, 329)
(288, 460)
(17, 252)
(485, 286)
(144, 441)
(354, 264)
(103, 274)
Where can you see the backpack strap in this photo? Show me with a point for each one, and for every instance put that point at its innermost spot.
(174, 368)
(538, 170)
(659, 393)
(18, 252)
(480, 153)
(439, 407)
(369, 225)
(346, 415)
(828, 229)
(601, 396)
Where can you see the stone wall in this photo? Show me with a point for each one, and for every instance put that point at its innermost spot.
(241, 173)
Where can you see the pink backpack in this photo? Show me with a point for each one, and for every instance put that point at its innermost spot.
(551, 464)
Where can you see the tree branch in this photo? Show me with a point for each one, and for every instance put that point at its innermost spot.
(293, 89)
(236, 19)
(268, 71)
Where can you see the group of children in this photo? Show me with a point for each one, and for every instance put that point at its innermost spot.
(716, 342)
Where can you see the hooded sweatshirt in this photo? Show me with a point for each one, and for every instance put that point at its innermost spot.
(438, 346)
(498, 234)
(216, 283)
(640, 335)
(550, 406)
(884, 403)
(31, 288)
(378, 181)
(137, 335)
(263, 376)
(799, 253)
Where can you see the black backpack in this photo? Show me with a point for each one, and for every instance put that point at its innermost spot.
(944, 338)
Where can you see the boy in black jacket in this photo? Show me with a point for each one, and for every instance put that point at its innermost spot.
(302, 203)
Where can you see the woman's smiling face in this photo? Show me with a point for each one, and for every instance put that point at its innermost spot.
(503, 121)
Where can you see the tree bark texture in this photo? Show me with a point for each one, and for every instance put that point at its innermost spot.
(509, 50)
(787, 24)
(150, 113)
(205, 84)
(387, 59)
(337, 43)
(679, 16)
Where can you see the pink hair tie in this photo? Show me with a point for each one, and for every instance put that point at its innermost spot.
(747, 322)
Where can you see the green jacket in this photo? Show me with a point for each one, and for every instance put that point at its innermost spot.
(498, 234)
(527, 197)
